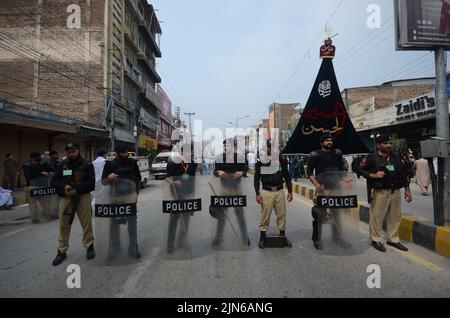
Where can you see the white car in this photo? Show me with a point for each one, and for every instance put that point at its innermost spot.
(159, 165)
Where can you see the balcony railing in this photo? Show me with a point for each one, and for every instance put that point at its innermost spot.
(149, 93)
(142, 57)
(129, 71)
(146, 28)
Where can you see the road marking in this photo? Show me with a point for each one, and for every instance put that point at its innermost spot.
(135, 277)
(410, 255)
(15, 232)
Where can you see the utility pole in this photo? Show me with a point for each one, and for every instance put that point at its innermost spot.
(442, 214)
(177, 115)
(190, 125)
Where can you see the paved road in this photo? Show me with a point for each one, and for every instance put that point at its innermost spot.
(26, 252)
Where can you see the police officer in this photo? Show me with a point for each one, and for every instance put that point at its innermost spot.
(386, 175)
(123, 167)
(74, 180)
(32, 170)
(52, 164)
(230, 174)
(323, 160)
(180, 176)
(272, 195)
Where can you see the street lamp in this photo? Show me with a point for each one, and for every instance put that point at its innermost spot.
(237, 120)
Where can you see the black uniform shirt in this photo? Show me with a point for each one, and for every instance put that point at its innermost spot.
(32, 171)
(321, 161)
(176, 170)
(78, 173)
(395, 177)
(272, 180)
(126, 168)
(230, 167)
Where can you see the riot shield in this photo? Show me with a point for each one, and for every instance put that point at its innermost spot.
(227, 206)
(335, 215)
(43, 200)
(185, 224)
(116, 222)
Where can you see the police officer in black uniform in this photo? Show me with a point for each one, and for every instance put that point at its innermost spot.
(323, 160)
(123, 167)
(272, 195)
(52, 164)
(181, 178)
(74, 180)
(32, 170)
(230, 174)
(386, 175)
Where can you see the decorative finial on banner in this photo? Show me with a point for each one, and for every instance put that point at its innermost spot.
(328, 50)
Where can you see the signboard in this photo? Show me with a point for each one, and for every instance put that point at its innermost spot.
(230, 201)
(148, 120)
(115, 210)
(184, 206)
(419, 108)
(120, 116)
(337, 202)
(422, 24)
(42, 191)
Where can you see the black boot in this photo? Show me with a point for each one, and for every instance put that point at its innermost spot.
(262, 239)
(59, 258)
(286, 241)
(90, 254)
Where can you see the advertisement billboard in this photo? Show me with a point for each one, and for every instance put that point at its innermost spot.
(422, 24)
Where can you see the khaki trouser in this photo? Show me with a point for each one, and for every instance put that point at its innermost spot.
(273, 200)
(84, 213)
(385, 203)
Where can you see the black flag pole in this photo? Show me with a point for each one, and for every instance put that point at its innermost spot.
(325, 112)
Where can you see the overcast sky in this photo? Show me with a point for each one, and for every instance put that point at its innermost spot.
(229, 58)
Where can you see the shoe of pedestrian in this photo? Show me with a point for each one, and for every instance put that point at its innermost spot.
(9, 207)
(262, 239)
(286, 241)
(378, 246)
(60, 257)
(399, 246)
(35, 221)
(318, 245)
(90, 254)
(170, 249)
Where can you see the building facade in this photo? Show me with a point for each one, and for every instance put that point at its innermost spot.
(78, 70)
(279, 117)
(410, 113)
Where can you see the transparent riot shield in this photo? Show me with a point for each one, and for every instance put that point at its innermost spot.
(43, 200)
(335, 215)
(227, 204)
(183, 220)
(115, 213)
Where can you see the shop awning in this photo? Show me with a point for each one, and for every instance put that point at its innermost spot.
(22, 120)
(92, 131)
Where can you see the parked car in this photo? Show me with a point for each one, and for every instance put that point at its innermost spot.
(159, 165)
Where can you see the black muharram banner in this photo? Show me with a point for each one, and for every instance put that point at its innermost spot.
(325, 112)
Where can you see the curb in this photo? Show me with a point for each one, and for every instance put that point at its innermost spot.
(432, 237)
